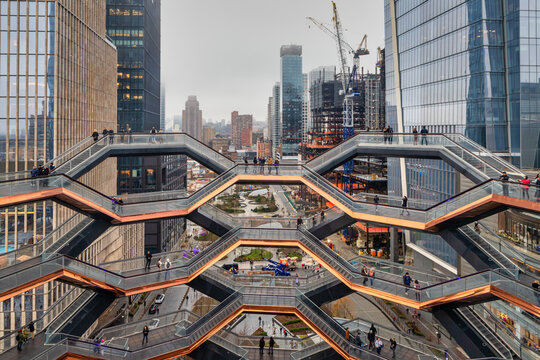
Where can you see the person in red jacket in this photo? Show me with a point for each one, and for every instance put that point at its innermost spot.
(525, 187)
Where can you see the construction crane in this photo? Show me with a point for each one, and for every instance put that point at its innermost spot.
(347, 78)
(361, 50)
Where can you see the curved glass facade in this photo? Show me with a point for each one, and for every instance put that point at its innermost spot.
(292, 93)
(464, 66)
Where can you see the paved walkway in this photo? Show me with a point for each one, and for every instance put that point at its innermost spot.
(30, 350)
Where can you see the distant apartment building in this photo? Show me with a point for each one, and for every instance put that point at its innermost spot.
(241, 128)
(246, 138)
(69, 59)
(209, 132)
(275, 119)
(292, 92)
(192, 118)
(264, 148)
(177, 123)
(220, 144)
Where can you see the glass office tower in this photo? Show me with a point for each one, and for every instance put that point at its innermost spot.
(462, 66)
(292, 93)
(57, 84)
(135, 28)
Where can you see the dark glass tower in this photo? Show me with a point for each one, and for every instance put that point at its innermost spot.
(134, 27)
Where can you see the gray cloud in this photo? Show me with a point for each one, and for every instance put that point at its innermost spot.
(227, 51)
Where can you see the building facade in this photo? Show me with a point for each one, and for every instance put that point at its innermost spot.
(292, 92)
(275, 120)
(57, 84)
(209, 132)
(463, 66)
(192, 118)
(306, 113)
(241, 129)
(135, 28)
(264, 148)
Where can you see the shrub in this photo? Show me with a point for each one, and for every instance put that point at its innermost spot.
(294, 321)
(303, 328)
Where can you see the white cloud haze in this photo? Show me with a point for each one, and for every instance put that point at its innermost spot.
(227, 51)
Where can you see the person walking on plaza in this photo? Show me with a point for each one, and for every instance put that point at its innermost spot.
(153, 137)
(393, 346)
(276, 165)
(271, 344)
(254, 164)
(390, 135)
(379, 345)
(148, 260)
(424, 133)
(145, 333)
(261, 345)
(32, 329)
(270, 163)
(359, 339)
(537, 184)
(417, 289)
(385, 134)
(504, 178)
(322, 216)
(20, 339)
(407, 282)
(167, 268)
(404, 202)
(525, 187)
(376, 202)
(371, 336)
(415, 136)
(371, 275)
(365, 274)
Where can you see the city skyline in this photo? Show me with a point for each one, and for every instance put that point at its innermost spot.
(229, 75)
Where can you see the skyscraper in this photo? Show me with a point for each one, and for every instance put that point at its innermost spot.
(305, 108)
(467, 67)
(241, 124)
(461, 66)
(292, 94)
(57, 84)
(275, 120)
(135, 28)
(192, 118)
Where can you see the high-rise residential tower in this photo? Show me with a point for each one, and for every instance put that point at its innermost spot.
(275, 120)
(241, 128)
(192, 118)
(57, 84)
(292, 93)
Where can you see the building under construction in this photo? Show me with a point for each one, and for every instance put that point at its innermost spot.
(326, 103)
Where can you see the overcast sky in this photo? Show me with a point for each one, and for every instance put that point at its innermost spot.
(226, 52)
